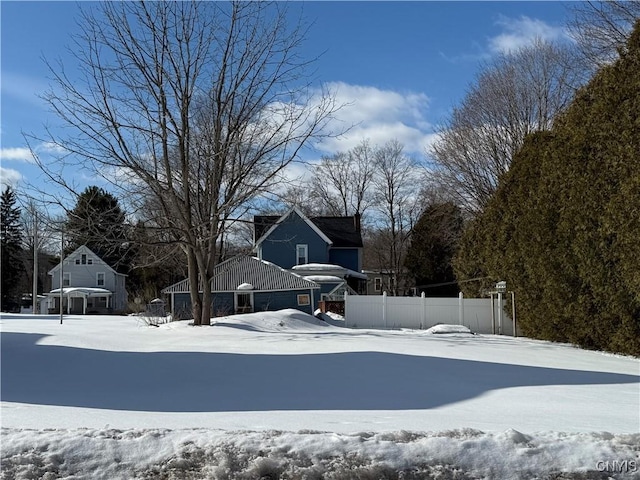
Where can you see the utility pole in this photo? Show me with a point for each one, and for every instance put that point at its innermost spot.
(61, 272)
(34, 294)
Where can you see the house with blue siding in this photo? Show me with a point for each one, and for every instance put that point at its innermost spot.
(295, 241)
(245, 284)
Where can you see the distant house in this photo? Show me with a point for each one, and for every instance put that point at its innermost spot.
(89, 285)
(295, 242)
(245, 284)
(379, 281)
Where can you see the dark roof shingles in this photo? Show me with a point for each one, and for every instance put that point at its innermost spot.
(340, 230)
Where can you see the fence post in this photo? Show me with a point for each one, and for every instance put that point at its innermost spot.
(346, 300)
(460, 308)
(493, 316)
(513, 313)
(384, 309)
(499, 313)
(423, 318)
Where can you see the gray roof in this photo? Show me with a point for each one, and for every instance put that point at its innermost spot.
(243, 269)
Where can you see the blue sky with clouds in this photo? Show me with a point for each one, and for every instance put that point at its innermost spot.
(401, 66)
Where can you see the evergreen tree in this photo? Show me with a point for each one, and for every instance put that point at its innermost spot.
(98, 222)
(433, 242)
(562, 228)
(11, 246)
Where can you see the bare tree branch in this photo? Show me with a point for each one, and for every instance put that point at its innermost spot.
(518, 93)
(198, 105)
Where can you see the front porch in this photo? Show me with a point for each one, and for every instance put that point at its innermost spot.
(80, 301)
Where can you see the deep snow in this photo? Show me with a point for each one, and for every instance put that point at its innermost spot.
(288, 394)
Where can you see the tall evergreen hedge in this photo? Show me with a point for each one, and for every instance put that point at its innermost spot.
(563, 228)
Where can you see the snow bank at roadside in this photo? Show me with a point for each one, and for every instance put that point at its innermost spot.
(128, 454)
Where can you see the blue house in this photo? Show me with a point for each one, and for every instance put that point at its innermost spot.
(245, 284)
(313, 246)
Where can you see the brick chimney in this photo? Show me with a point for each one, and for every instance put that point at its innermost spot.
(356, 221)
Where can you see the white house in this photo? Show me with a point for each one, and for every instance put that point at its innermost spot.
(89, 285)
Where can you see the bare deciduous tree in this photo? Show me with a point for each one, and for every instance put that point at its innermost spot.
(342, 181)
(396, 194)
(518, 93)
(602, 29)
(200, 105)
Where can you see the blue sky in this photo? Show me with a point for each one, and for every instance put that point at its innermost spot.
(401, 66)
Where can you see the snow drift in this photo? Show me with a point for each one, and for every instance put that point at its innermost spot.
(288, 395)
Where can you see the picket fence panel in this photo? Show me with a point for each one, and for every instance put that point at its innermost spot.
(387, 312)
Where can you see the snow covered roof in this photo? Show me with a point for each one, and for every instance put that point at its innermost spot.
(244, 270)
(324, 278)
(81, 291)
(327, 269)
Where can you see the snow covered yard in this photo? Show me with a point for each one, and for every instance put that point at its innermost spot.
(284, 395)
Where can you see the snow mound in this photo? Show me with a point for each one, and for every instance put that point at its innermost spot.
(285, 320)
(331, 318)
(111, 454)
(444, 328)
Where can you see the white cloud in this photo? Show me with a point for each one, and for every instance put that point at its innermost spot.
(522, 31)
(24, 154)
(51, 147)
(21, 154)
(24, 88)
(8, 176)
(516, 33)
(379, 116)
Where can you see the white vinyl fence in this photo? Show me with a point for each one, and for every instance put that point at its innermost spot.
(385, 312)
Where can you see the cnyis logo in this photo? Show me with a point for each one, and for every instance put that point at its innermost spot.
(617, 466)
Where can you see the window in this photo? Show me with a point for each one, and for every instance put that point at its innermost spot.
(304, 299)
(377, 284)
(66, 279)
(244, 302)
(302, 254)
(100, 279)
(101, 302)
(84, 260)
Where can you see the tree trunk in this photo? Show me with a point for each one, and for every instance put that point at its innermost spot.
(206, 303)
(196, 299)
